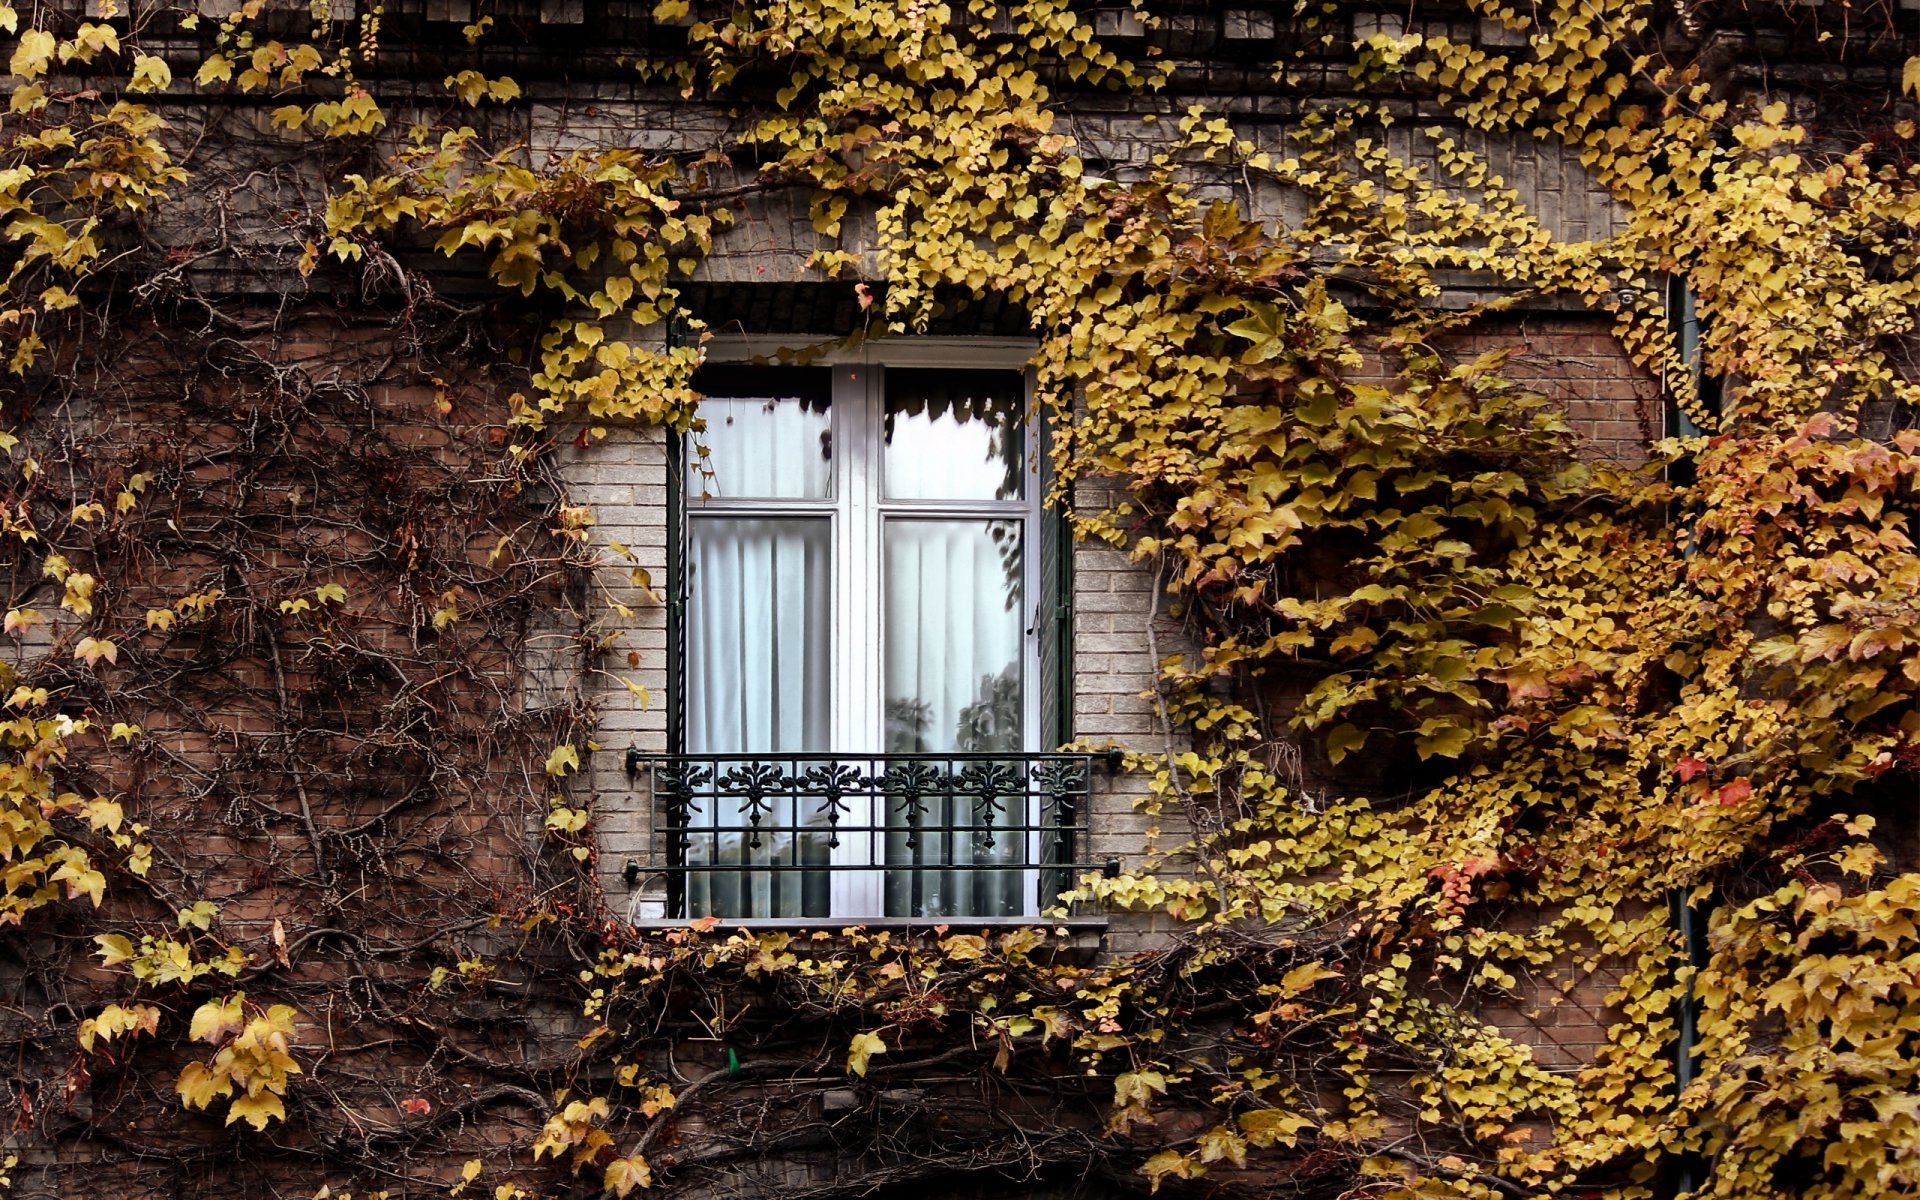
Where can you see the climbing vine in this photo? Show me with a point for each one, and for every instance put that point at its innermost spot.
(300, 881)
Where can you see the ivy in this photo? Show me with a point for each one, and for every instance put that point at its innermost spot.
(1592, 687)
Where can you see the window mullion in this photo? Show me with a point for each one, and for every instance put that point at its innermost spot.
(1036, 610)
(857, 659)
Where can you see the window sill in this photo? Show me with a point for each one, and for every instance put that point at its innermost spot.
(836, 924)
(1084, 935)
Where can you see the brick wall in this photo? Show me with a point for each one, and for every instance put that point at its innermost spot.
(624, 479)
(1615, 406)
(352, 786)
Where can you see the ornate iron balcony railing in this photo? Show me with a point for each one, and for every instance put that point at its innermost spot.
(865, 835)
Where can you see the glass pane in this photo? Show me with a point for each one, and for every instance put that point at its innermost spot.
(757, 679)
(955, 682)
(955, 435)
(769, 434)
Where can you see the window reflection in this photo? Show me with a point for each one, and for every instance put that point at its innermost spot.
(955, 435)
(768, 434)
(954, 682)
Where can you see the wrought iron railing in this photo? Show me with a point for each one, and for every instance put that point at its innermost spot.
(851, 835)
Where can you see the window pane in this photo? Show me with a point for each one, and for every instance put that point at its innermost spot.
(769, 434)
(955, 435)
(757, 681)
(954, 682)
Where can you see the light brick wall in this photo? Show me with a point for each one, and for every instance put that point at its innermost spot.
(772, 239)
(624, 479)
(1113, 676)
(1114, 673)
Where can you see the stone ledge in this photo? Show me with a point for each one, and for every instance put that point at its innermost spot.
(1085, 936)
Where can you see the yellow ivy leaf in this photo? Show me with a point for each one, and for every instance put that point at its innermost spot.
(1860, 859)
(91, 38)
(79, 596)
(92, 650)
(1137, 1087)
(1170, 1162)
(863, 1047)
(625, 1174)
(1267, 1126)
(114, 948)
(1303, 977)
(217, 1018)
(563, 759)
(257, 1110)
(1446, 741)
(104, 814)
(1220, 1142)
(216, 69)
(81, 879)
(150, 74)
(199, 1087)
(32, 54)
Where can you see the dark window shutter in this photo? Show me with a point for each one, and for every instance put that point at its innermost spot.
(676, 594)
(1055, 616)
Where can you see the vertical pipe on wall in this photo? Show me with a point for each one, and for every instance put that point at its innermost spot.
(1689, 919)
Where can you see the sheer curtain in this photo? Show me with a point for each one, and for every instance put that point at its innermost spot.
(953, 644)
(757, 683)
(758, 637)
(763, 448)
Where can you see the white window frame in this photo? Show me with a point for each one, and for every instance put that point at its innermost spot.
(858, 510)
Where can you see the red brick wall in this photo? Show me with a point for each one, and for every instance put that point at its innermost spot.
(357, 790)
(1614, 405)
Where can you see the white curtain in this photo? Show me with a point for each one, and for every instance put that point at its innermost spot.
(758, 681)
(953, 639)
(760, 447)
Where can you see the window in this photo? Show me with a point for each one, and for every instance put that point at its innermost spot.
(867, 635)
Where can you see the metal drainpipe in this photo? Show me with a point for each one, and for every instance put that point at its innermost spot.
(1690, 920)
(1686, 916)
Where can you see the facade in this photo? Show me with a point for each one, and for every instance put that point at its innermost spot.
(834, 659)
